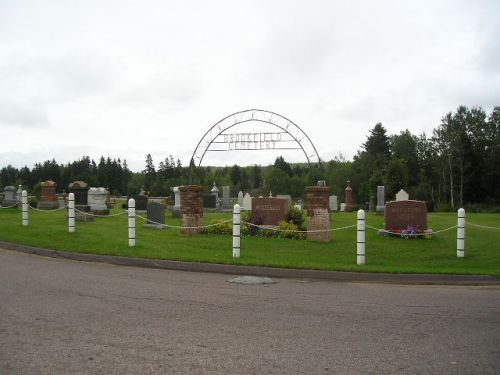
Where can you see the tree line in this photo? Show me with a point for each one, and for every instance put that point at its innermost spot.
(458, 164)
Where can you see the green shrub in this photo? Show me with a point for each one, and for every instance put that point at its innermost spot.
(297, 217)
(221, 227)
(287, 230)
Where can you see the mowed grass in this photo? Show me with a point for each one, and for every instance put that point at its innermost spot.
(109, 236)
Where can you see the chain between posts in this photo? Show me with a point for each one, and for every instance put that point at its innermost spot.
(56, 209)
(95, 215)
(14, 205)
(481, 226)
(297, 231)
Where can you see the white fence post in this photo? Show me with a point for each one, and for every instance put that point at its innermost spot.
(24, 200)
(461, 233)
(360, 241)
(71, 212)
(236, 230)
(131, 222)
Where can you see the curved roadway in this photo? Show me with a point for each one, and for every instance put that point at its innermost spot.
(65, 317)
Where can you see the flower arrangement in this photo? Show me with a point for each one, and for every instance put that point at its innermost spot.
(411, 232)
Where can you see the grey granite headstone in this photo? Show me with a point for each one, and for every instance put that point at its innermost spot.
(156, 214)
(333, 202)
(9, 196)
(225, 198)
(380, 199)
(240, 198)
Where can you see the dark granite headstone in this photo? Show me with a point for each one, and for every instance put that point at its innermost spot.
(401, 214)
(80, 190)
(271, 210)
(156, 213)
(141, 202)
(209, 201)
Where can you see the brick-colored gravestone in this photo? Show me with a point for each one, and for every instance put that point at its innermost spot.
(401, 214)
(269, 210)
(317, 197)
(191, 202)
(48, 199)
(348, 197)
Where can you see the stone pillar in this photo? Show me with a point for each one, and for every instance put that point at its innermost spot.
(226, 205)
(317, 197)
(191, 208)
(348, 197)
(319, 226)
(380, 200)
(19, 196)
(176, 209)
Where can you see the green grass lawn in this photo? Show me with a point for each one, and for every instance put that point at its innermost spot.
(109, 236)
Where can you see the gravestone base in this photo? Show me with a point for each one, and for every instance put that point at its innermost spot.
(154, 226)
(101, 212)
(9, 203)
(206, 209)
(82, 216)
(319, 221)
(176, 212)
(380, 210)
(48, 205)
(427, 233)
(191, 220)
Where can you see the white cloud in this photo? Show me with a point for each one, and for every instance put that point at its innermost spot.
(129, 78)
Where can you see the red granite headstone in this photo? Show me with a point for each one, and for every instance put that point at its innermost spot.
(401, 214)
(271, 210)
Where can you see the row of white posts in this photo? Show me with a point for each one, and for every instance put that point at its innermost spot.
(360, 237)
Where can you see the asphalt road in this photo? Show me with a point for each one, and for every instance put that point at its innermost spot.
(66, 317)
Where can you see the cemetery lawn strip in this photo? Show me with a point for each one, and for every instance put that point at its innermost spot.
(108, 236)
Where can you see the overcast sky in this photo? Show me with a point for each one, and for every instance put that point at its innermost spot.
(128, 78)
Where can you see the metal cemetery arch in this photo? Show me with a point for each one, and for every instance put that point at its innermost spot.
(217, 140)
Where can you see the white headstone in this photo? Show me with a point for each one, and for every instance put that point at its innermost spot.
(298, 207)
(333, 202)
(247, 202)
(402, 196)
(240, 198)
(177, 202)
(96, 198)
(342, 207)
